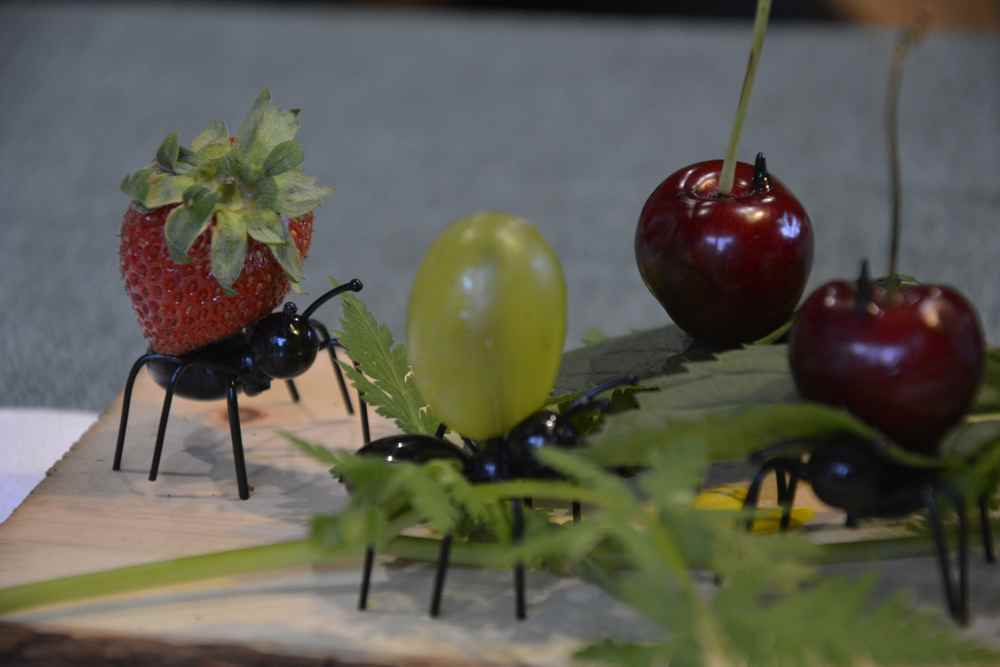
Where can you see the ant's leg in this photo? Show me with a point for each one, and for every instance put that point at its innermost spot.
(753, 492)
(161, 431)
(366, 578)
(518, 533)
(330, 344)
(236, 434)
(786, 496)
(442, 429)
(126, 403)
(293, 390)
(985, 529)
(576, 511)
(442, 569)
(957, 600)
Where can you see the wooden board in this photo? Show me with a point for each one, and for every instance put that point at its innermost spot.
(83, 517)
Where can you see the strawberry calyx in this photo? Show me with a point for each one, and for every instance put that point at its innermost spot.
(247, 185)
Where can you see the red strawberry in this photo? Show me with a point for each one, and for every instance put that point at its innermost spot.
(204, 247)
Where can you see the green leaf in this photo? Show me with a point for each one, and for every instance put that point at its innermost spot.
(593, 336)
(287, 255)
(386, 381)
(988, 399)
(214, 151)
(283, 157)
(165, 189)
(168, 152)
(229, 247)
(215, 133)
(265, 226)
(298, 194)
(265, 128)
(136, 185)
(267, 193)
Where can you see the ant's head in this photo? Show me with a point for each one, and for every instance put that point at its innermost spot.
(284, 344)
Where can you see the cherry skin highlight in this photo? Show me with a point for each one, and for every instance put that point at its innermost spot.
(908, 361)
(727, 269)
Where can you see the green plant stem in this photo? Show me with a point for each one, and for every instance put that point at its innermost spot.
(906, 40)
(305, 553)
(728, 175)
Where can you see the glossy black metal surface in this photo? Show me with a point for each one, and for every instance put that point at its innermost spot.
(856, 476)
(281, 345)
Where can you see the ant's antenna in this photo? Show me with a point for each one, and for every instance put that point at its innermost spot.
(584, 400)
(350, 286)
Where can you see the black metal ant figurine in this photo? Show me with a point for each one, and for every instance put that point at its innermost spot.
(858, 477)
(497, 459)
(282, 345)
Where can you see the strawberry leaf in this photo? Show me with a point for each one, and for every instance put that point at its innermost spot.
(265, 226)
(264, 128)
(168, 152)
(215, 133)
(298, 194)
(165, 189)
(287, 255)
(229, 247)
(136, 185)
(185, 224)
(283, 157)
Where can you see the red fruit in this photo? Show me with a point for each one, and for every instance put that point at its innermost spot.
(727, 269)
(205, 247)
(182, 307)
(907, 361)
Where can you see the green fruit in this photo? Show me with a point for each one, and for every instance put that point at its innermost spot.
(486, 323)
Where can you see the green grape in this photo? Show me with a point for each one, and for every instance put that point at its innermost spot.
(486, 323)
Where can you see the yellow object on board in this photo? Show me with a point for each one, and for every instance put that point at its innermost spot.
(766, 520)
(486, 323)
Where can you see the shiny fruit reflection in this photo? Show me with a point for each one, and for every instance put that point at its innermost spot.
(727, 269)
(906, 360)
(486, 324)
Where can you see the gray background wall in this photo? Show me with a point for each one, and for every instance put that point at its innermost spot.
(418, 118)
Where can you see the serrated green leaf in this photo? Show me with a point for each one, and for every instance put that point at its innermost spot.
(283, 157)
(287, 255)
(194, 193)
(386, 381)
(166, 189)
(186, 156)
(265, 226)
(229, 247)
(298, 194)
(168, 152)
(216, 132)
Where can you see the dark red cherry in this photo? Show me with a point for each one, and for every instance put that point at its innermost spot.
(907, 360)
(727, 269)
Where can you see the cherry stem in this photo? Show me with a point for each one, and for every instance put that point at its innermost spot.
(729, 165)
(864, 289)
(906, 40)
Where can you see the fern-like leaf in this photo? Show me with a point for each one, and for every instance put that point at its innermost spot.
(384, 380)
